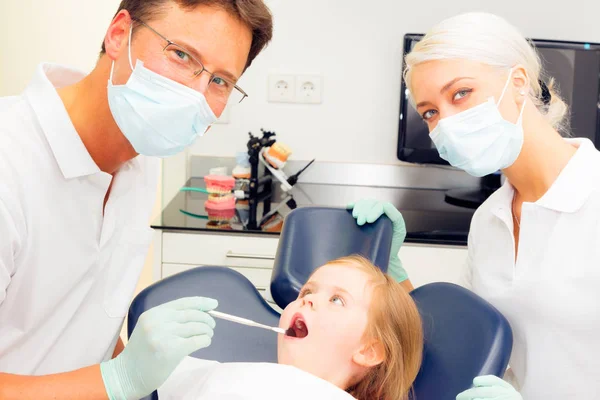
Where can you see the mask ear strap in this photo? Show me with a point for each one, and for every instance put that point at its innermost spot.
(129, 45)
(112, 67)
(522, 110)
(505, 86)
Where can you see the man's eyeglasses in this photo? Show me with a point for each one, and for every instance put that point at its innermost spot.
(187, 68)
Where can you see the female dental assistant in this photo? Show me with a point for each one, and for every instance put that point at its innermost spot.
(534, 245)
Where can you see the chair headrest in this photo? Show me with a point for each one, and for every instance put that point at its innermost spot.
(312, 236)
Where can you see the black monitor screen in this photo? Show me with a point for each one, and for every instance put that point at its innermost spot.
(576, 70)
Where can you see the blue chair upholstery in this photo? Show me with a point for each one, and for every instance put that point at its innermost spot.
(236, 295)
(313, 236)
(465, 337)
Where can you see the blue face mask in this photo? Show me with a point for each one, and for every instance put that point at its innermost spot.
(479, 140)
(158, 116)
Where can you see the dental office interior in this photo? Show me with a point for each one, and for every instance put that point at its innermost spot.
(327, 95)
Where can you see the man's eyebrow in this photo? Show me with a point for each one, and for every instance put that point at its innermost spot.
(196, 54)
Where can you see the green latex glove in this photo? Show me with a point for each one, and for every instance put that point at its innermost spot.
(163, 336)
(369, 211)
(490, 387)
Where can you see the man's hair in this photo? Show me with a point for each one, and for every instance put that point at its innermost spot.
(253, 13)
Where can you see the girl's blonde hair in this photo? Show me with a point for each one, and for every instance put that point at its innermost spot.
(395, 323)
(491, 40)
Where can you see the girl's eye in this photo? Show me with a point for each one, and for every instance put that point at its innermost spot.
(337, 300)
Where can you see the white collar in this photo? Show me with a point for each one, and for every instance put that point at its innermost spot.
(69, 151)
(569, 192)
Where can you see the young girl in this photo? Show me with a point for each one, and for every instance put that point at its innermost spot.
(353, 332)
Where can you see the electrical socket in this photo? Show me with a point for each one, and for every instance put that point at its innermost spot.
(309, 89)
(282, 89)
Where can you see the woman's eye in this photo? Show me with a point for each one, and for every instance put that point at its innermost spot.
(337, 300)
(427, 115)
(461, 94)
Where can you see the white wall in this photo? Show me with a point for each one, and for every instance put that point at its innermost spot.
(63, 31)
(357, 46)
(354, 44)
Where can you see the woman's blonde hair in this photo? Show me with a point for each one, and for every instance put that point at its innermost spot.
(395, 323)
(491, 40)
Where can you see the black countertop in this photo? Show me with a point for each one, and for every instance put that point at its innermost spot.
(429, 219)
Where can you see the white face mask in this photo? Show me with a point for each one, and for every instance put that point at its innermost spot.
(159, 117)
(479, 140)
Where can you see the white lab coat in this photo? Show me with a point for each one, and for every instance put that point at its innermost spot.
(67, 272)
(202, 379)
(551, 295)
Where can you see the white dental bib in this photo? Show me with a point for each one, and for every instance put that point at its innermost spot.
(202, 379)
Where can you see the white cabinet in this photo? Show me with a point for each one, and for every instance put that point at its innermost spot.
(219, 249)
(433, 263)
(253, 256)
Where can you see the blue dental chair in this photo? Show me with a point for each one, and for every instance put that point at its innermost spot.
(310, 238)
(464, 335)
